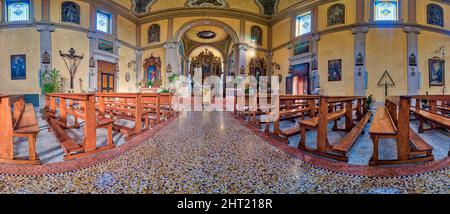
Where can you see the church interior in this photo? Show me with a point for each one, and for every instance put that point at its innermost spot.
(90, 94)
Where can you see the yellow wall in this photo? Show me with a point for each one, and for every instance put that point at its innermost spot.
(60, 42)
(284, 4)
(280, 56)
(163, 36)
(126, 55)
(55, 12)
(350, 13)
(329, 49)
(126, 30)
(281, 32)
(428, 43)
(388, 54)
(15, 42)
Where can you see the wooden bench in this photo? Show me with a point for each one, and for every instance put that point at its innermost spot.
(21, 123)
(333, 109)
(92, 122)
(392, 121)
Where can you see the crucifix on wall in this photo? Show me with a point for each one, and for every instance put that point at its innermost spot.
(72, 62)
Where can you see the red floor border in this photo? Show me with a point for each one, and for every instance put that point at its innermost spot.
(341, 167)
(84, 162)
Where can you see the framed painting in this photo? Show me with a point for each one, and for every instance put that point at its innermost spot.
(18, 67)
(335, 70)
(301, 48)
(436, 72)
(105, 46)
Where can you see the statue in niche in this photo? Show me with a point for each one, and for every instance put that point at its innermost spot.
(435, 15)
(257, 35)
(336, 15)
(268, 7)
(207, 3)
(154, 33)
(142, 6)
(70, 12)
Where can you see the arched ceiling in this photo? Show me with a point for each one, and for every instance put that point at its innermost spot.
(261, 7)
(193, 34)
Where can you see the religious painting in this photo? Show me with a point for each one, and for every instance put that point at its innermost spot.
(258, 67)
(207, 3)
(435, 15)
(18, 67)
(142, 6)
(268, 7)
(105, 46)
(437, 72)
(301, 48)
(335, 70)
(154, 33)
(70, 12)
(152, 70)
(256, 35)
(336, 15)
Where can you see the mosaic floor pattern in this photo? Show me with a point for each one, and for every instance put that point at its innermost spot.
(203, 152)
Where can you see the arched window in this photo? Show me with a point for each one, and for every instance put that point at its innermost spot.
(256, 35)
(70, 12)
(435, 15)
(386, 10)
(154, 32)
(336, 15)
(104, 21)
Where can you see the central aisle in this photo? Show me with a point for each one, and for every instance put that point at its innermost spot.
(211, 152)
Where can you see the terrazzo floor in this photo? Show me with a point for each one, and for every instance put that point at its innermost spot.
(212, 152)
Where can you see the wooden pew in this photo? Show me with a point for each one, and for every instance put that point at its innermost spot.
(127, 106)
(392, 121)
(151, 102)
(85, 111)
(21, 123)
(434, 113)
(328, 113)
(166, 105)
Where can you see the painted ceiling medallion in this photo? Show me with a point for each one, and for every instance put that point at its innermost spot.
(207, 3)
(142, 6)
(206, 35)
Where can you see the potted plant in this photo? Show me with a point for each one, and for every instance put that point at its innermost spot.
(370, 101)
(150, 84)
(51, 81)
(173, 77)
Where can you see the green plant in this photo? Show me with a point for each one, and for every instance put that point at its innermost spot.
(164, 90)
(150, 84)
(173, 77)
(51, 81)
(370, 101)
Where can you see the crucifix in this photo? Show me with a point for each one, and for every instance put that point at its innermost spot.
(72, 62)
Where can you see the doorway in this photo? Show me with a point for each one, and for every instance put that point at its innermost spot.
(297, 83)
(106, 77)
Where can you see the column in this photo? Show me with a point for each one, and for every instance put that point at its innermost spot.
(412, 62)
(360, 74)
(45, 31)
(139, 73)
(171, 48)
(240, 58)
(314, 75)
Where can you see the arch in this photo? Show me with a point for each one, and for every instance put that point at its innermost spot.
(435, 15)
(154, 33)
(200, 22)
(70, 12)
(336, 15)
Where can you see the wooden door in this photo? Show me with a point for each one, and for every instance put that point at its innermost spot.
(289, 85)
(106, 77)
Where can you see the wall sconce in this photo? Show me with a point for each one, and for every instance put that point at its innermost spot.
(412, 60)
(46, 58)
(92, 62)
(359, 59)
(242, 70)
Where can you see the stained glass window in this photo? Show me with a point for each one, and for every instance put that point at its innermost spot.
(18, 10)
(104, 22)
(303, 23)
(386, 10)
